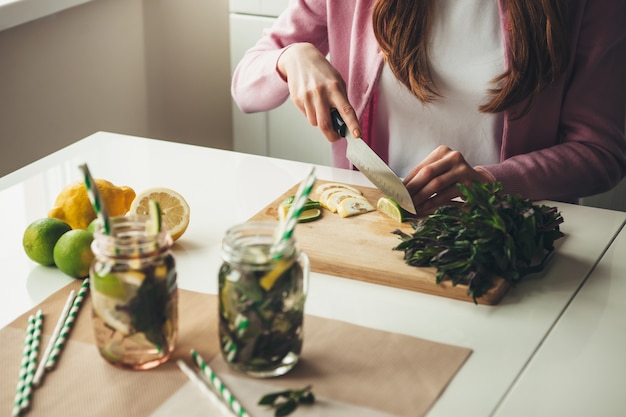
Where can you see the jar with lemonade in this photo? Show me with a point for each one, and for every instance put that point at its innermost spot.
(134, 293)
(262, 291)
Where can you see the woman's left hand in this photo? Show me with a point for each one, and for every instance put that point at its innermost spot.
(432, 183)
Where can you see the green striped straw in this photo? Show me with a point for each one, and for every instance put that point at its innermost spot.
(57, 329)
(96, 200)
(67, 325)
(219, 386)
(32, 360)
(287, 227)
(21, 381)
(202, 385)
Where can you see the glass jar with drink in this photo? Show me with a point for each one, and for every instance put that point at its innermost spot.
(134, 294)
(262, 290)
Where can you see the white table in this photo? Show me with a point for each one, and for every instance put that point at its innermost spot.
(580, 370)
(225, 188)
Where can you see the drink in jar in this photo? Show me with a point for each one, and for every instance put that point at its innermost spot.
(262, 294)
(134, 295)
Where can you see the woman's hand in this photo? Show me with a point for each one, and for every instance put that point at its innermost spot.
(315, 87)
(432, 183)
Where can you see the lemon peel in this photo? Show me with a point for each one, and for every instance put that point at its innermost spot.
(73, 206)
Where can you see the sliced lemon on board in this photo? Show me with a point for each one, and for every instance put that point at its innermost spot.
(352, 206)
(336, 198)
(392, 209)
(320, 189)
(174, 208)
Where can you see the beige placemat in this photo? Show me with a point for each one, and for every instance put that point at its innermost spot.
(393, 373)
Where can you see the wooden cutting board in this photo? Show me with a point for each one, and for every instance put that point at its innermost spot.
(361, 248)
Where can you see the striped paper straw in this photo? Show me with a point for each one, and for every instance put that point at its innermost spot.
(202, 386)
(67, 325)
(32, 360)
(96, 200)
(286, 231)
(219, 386)
(21, 381)
(55, 334)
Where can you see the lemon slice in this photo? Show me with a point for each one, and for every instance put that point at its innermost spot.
(336, 185)
(327, 195)
(107, 309)
(268, 280)
(174, 208)
(392, 209)
(337, 197)
(352, 206)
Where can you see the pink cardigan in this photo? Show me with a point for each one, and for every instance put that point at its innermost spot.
(571, 144)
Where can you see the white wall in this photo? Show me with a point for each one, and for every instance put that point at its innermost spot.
(154, 68)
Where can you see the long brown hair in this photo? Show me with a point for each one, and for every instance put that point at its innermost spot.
(538, 48)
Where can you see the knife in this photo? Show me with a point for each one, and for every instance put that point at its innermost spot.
(372, 166)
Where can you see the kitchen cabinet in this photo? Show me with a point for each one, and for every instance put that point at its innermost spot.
(282, 132)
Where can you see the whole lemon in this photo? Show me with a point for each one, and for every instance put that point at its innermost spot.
(72, 253)
(40, 237)
(73, 206)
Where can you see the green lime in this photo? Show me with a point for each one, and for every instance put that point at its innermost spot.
(93, 225)
(41, 236)
(109, 285)
(72, 253)
(309, 215)
(310, 210)
(392, 209)
(154, 211)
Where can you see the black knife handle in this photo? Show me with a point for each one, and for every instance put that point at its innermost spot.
(338, 124)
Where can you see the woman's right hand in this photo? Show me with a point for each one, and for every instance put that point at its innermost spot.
(315, 87)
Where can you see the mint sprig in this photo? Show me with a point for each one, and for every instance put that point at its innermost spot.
(286, 402)
(492, 235)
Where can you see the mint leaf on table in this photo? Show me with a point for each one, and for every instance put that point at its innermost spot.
(491, 235)
(286, 402)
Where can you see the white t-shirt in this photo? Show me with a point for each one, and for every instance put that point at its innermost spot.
(466, 52)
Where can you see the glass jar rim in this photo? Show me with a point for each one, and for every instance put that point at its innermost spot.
(128, 237)
(250, 242)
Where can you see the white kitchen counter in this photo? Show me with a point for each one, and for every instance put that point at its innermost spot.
(17, 12)
(225, 188)
(580, 370)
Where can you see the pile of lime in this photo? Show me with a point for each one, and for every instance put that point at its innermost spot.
(50, 241)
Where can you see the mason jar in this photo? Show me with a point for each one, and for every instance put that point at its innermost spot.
(134, 294)
(262, 290)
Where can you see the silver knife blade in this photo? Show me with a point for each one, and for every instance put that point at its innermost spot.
(373, 167)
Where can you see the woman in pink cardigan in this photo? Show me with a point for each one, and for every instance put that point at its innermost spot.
(530, 94)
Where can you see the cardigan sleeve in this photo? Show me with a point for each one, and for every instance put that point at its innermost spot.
(256, 84)
(571, 144)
